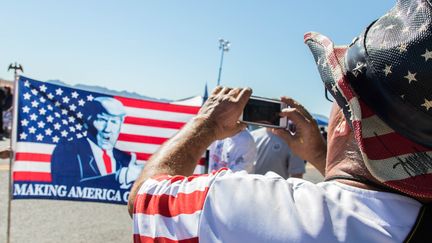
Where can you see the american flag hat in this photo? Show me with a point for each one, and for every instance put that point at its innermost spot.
(383, 82)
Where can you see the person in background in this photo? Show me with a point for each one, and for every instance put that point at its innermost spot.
(275, 155)
(236, 153)
(3, 108)
(7, 112)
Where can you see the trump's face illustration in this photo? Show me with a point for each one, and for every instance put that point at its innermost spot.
(108, 130)
(105, 124)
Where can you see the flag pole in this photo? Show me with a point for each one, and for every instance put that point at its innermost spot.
(12, 142)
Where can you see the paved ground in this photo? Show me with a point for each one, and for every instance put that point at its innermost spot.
(41, 221)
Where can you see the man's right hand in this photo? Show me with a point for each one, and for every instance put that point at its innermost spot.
(306, 142)
(222, 110)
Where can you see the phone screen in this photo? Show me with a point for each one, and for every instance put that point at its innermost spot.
(264, 112)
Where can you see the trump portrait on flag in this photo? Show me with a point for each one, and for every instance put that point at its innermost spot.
(93, 159)
(83, 145)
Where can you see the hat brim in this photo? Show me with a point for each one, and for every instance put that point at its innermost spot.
(391, 158)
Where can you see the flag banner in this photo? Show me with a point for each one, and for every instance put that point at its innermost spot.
(74, 144)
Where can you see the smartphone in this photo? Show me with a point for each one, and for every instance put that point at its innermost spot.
(264, 112)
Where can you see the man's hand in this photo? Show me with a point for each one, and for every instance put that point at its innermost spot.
(306, 142)
(222, 110)
(217, 119)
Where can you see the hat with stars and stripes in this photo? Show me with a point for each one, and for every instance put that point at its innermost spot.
(383, 82)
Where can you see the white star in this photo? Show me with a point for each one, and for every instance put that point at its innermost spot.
(27, 83)
(66, 99)
(72, 129)
(64, 112)
(27, 96)
(34, 91)
(79, 135)
(57, 104)
(427, 55)
(79, 115)
(57, 126)
(75, 94)
(50, 96)
(411, 77)
(42, 99)
(48, 132)
(71, 119)
(41, 124)
(50, 119)
(78, 126)
(33, 117)
(427, 104)
(39, 137)
(59, 91)
(64, 121)
(43, 88)
(34, 103)
(64, 133)
(50, 107)
(90, 97)
(42, 111)
(81, 102)
(26, 109)
(23, 135)
(55, 139)
(72, 107)
(24, 122)
(56, 114)
(387, 70)
(32, 130)
(402, 48)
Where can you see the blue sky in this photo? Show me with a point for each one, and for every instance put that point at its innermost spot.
(169, 49)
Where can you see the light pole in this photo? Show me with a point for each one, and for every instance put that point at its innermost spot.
(15, 67)
(224, 46)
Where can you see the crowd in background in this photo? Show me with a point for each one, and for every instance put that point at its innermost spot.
(257, 151)
(6, 101)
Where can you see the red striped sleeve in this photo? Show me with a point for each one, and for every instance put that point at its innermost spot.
(170, 206)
